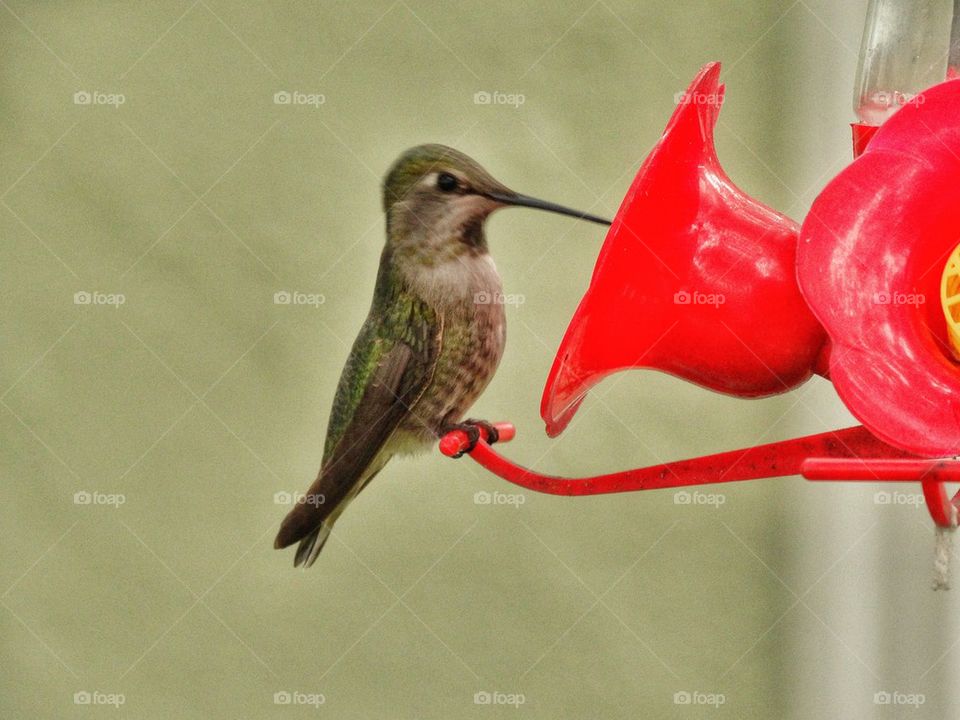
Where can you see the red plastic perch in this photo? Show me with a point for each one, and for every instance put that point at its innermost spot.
(849, 454)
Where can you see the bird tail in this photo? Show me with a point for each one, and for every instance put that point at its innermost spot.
(295, 526)
(303, 524)
(309, 549)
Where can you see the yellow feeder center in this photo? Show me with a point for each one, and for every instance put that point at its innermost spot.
(950, 300)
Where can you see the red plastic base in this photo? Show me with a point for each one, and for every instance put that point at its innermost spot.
(862, 135)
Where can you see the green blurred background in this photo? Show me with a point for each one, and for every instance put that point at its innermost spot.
(182, 413)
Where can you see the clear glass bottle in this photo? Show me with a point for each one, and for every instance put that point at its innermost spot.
(908, 45)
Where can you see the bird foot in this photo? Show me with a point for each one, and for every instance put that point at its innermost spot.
(471, 428)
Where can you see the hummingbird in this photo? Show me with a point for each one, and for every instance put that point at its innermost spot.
(431, 342)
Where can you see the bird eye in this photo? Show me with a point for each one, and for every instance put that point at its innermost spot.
(446, 182)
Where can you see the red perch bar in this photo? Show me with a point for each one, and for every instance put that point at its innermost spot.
(849, 454)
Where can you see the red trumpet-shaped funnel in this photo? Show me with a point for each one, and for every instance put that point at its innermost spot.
(695, 278)
(872, 253)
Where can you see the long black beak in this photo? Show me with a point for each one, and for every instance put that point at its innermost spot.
(532, 202)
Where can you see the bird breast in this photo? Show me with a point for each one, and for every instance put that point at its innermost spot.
(474, 334)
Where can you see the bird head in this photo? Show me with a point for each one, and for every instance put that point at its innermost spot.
(434, 195)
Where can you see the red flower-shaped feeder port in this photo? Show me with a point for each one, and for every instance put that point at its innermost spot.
(697, 279)
(871, 256)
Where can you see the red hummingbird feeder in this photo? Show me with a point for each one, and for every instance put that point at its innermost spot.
(699, 280)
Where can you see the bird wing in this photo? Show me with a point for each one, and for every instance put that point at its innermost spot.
(390, 366)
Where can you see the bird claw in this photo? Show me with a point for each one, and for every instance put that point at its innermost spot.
(472, 428)
(493, 435)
